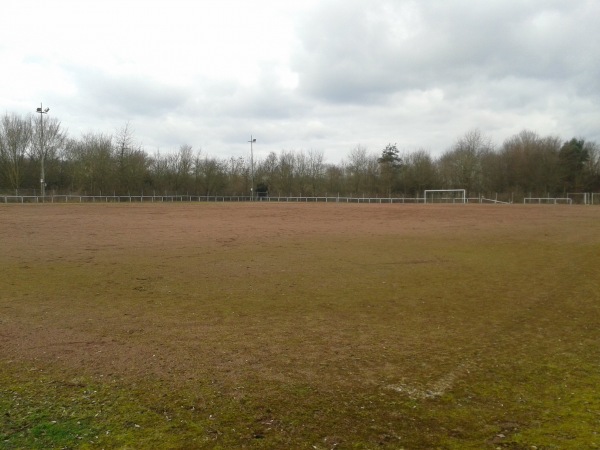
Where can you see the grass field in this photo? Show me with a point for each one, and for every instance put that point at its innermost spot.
(299, 326)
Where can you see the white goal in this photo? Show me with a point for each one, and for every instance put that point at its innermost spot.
(445, 196)
(579, 198)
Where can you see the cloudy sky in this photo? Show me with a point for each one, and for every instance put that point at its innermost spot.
(324, 75)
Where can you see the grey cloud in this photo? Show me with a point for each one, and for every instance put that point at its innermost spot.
(260, 103)
(533, 39)
(346, 56)
(265, 100)
(370, 51)
(419, 73)
(127, 96)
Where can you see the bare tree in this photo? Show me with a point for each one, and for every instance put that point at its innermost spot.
(213, 175)
(592, 167)
(46, 143)
(525, 163)
(419, 172)
(237, 174)
(301, 182)
(461, 167)
(92, 163)
(334, 179)
(316, 170)
(159, 171)
(186, 164)
(180, 168)
(132, 162)
(286, 168)
(357, 168)
(15, 140)
(528, 163)
(267, 172)
(123, 148)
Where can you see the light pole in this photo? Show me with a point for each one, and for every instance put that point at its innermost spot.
(252, 141)
(42, 111)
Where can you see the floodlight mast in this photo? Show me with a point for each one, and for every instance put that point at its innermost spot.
(252, 141)
(41, 112)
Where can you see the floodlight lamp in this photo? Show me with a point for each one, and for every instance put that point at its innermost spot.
(38, 110)
(46, 110)
(254, 140)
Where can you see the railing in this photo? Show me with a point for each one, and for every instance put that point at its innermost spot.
(591, 199)
(548, 200)
(76, 198)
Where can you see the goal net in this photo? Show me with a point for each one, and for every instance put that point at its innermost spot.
(445, 196)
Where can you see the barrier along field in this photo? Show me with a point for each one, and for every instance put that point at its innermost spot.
(299, 326)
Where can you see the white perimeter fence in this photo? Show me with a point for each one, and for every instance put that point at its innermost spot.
(548, 200)
(588, 199)
(71, 198)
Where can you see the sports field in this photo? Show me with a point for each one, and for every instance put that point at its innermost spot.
(318, 326)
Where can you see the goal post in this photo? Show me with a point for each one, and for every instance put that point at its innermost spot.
(579, 198)
(445, 196)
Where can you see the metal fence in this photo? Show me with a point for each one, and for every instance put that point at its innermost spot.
(589, 199)
(76, 198)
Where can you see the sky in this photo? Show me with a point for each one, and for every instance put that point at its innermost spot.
(320, 75)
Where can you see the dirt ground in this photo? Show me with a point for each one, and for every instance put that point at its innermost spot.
(315, 314)
(78, 232)
(96, 254)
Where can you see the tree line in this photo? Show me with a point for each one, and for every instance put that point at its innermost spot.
(525, 164)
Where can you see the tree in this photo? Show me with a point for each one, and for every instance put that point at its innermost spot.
(316, 170)
(334, 179)
(572, 158)
(179, 168)
(213, 175)
(390, 164)
(237, 176)
(357, 169)
(419, 172)
(527, 163)
(131, 165)
(460, 167)
(266, 172)
(262, 189)
(286, 170)
(592, 167)
(301, 182)
(15, 140)
(92, 162)
(46, 144)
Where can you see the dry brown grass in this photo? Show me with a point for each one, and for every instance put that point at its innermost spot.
(309, 325)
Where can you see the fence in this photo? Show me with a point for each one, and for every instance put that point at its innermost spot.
(548, 200)
(591, 199)
(71, 198)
